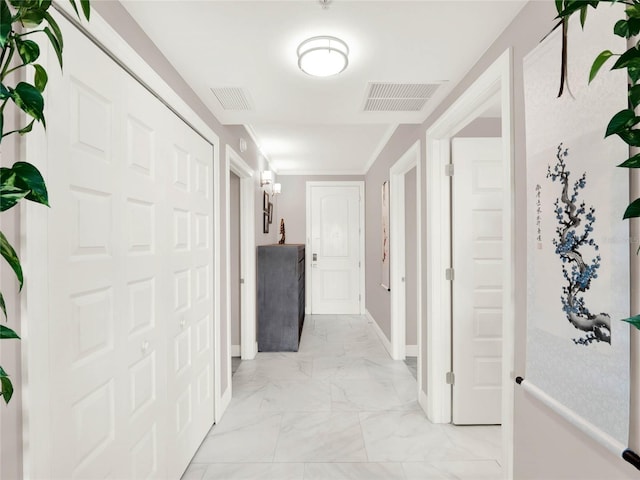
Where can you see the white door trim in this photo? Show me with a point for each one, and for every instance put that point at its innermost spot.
(360, 185)
(235, 164)
(34, 310)
(397, 172)
(497, 78)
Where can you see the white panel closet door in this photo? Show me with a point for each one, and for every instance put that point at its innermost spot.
(478, 283)
(190, 322)
(129, 274)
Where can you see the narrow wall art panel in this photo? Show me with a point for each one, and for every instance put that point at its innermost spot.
(577, 243)
(386, 266)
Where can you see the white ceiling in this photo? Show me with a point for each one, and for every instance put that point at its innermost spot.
(305, 124)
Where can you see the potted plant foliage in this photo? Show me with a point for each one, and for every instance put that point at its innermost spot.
(22, 23)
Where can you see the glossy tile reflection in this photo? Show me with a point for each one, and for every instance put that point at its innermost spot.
(339, 408)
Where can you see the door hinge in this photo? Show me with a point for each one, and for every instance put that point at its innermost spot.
(449, 274)
(451, 378)
(448, 170)
(242, 281)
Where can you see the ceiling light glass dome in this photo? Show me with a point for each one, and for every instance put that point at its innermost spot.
(323, 56)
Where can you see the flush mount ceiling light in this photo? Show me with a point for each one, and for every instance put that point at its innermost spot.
(323, 56)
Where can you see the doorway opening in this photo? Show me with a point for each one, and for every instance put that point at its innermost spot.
(240, 280)
(404, 232)
(496, 81)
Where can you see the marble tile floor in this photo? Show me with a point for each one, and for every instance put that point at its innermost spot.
(339, 408)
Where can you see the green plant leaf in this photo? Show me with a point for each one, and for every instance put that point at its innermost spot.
(4, 92)
(635, 321)
(41, 78)
(3, 306)
(11, 257)
(6, 332)
(30, 178)
(10, 196)
(32, 17)
(583, 15)
(28, 50)
(625, 58)
(5, 23)
(633, 162)
(75, 7)
(633, 11)
(634, 96)
(55, 28)
(86, 8)
(29, 99)
(6, 386)
(598, 63)
(621, 121)
(633, 210)
(27, 128)
(630, 137)
(54, 43)
(621, 28)
(633, 69)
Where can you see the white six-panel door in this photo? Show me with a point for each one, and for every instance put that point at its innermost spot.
(130, 275)
(478, 283)
(335, 249)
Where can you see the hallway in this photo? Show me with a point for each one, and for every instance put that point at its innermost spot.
(339, 408)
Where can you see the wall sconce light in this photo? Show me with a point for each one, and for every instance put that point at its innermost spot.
(266, 182)
(266, 178)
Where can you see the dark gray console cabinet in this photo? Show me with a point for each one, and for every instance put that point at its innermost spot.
(280, 297)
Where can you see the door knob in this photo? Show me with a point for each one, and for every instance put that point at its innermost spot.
(145, 347)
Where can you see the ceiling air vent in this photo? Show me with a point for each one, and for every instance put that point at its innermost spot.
(232, 98)
(398, 97)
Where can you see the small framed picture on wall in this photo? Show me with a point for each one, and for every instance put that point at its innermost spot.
(270, 213)
(265, 202)
(265, 222)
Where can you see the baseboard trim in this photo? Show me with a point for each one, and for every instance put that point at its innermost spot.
(422, 400)
(235, 350)
(383, 338)
(411, 350)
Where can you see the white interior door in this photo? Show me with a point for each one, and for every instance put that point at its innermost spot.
(335, 248)
(130, 263)
(478, 283)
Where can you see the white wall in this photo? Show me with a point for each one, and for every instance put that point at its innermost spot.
(378, 298)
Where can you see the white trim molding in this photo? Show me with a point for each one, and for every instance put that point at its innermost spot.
(397, 234)
(234, 163)
(383, 338)
(497, 78)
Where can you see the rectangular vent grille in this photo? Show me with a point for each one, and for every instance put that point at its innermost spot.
(398, 97)
(232, 98)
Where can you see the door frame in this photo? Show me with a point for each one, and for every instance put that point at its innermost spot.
(397, 235)
(308, 286)
(497, 78)
(36, 382)
(248, 347)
